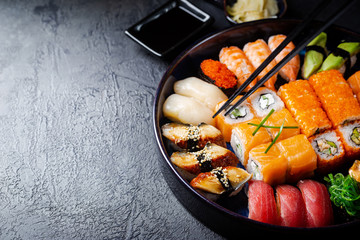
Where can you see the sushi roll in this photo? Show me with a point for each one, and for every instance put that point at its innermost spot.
(257, 52)
(342, 58)
(218, 74)
(243, 140)
(192, 138)
(279, 117)
(221, 181)
(225, 124)
(329, 150)
(204, 92)
(301, 100)
(261, 202)
(314, 56)
(350, 137)
(336, 97)
(317, 203)
(290, 70)
(187, 110)
(190, 164)
(300, 156)
(237, 62)
(263, 100)
(270, 167)
(291, 206)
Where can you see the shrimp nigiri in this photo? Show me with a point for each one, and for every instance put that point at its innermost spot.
(237, 62)
(290, 70)
(257, 52)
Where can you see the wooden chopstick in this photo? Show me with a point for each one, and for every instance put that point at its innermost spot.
(293, 53)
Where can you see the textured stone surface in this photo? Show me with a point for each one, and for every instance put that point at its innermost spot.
(78, 158)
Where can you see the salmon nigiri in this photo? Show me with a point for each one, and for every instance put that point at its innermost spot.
(290, 71)
(317, 203)
(257, 52)
(237, 62)
(354, 82)
(291, 206)
(261, 202)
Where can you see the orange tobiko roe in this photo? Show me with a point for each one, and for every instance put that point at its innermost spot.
(219, 73)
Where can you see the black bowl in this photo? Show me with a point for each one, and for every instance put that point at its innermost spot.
(282, 5)
(227, 217)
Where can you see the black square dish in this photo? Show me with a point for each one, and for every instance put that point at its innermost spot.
(168, 27)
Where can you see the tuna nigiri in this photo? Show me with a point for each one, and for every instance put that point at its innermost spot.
(291, 206)
(261, 202)
(237, 62)
(290, 71)
(257, 52)
(317, 203)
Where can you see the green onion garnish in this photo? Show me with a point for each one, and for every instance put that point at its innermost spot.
(266, 126)
(263, 121)
(277, 136)
(344, 193)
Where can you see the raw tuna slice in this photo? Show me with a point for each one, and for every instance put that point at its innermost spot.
(291, 206)
(317, 203)
(261, 202)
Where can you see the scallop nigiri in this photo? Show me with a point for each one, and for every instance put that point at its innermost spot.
(237, 62)
(204, 92)
(257, 52)
(291, 206)
(317, 203)
(290, 70)
(188, 110)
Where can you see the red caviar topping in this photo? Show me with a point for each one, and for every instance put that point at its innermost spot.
(219, 73)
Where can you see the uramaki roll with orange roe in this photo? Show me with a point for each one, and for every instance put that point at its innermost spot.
(301, 100)
(336, 97)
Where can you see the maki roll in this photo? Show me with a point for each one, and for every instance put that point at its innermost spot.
(342, 58)
(263, 100)
(187, 110)
(204, 92)
(336, 97)
(269, 167)
(243, 140)
(329, 150)
(218, 74)
(314, 56)
(190, 164)
(237, 62)
(301, 100)
(279, 117)
(300, 156)
(225, 124)
(192, 138)
(221, 181)
(350, 137)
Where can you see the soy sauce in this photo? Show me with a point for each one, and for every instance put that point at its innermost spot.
(166, 29)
